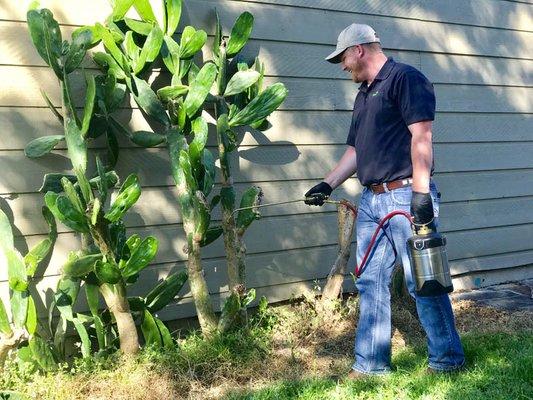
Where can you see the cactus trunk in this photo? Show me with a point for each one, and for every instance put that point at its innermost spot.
(346, 221)
(232, 244)
(9, 342)
(200, 292)
(115, 298)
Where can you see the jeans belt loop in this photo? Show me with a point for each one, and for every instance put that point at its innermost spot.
(385, 188)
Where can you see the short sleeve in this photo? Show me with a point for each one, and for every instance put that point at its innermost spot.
(415, 97)
(350, 140)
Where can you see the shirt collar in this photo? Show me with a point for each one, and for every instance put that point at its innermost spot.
(383, 73)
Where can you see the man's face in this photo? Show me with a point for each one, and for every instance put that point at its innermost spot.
(351, 62)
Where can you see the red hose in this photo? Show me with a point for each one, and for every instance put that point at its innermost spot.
(359, 269)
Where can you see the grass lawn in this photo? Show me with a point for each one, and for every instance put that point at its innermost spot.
(294, 352)
(500, 366)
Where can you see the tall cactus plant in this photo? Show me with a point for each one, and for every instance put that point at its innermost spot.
(239, 100)
(107, 262)
(23, 324)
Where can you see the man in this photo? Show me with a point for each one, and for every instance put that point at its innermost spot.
(390, 147)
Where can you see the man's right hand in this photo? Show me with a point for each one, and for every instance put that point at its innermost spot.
(317, 194)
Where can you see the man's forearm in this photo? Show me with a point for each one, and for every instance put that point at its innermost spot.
(343, 170)
(421, 156)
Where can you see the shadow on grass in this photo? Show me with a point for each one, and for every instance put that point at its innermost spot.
(499, 366)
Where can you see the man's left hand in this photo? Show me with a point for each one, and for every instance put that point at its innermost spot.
(422, 208)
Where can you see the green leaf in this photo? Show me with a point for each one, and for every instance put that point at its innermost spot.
(84, 186)
(251, 197)
(84, 337)
(81, 266)
(199, 88)
(165, 334)
(65, 296)
(202, 215)
(200, 129)
(168, 93)
(208, 163)
(192, 41)
(82, 39)
(110, 45)
(170, 52)
(77, 148)
(6, 233)
(51, 200)
(148, 101)
(262, 106)
(185, 164)
(120, 8)
(147, 139)
(31, 318)
(140, 27)
(39, 252)
(89, 104)
(150, 49)
(5, 327)
(150, 330)
(141, 257)
(241, 81)
(19, 307)
(165, 292)
(51, 106)
(176, 142)
(46, 37)
(69, 215)
(92, 294)
(132, 50)
(184, 67)
(108, 272)
(211, 235)
(218, 36)
(43, 145)
(173, 11)
(240, 33)
(133, 243)
(112, 148)
(128, 194)
(72, 195)
(108, 63)
(102, 183)
(16, 270)
(111, 179)
(52, 182)
(144, 9)
(42, 354)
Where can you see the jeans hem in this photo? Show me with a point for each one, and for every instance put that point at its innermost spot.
(374, 373)
(447, 369)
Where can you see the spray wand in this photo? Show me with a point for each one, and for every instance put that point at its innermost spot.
(426, 250)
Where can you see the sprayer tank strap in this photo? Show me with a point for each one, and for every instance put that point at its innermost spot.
(385, 187)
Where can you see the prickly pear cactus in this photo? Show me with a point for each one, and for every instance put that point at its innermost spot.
(23, 324)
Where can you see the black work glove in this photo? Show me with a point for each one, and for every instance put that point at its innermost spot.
(317, 194)
(422, 209)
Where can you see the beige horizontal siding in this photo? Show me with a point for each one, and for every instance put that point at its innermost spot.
(477, 53)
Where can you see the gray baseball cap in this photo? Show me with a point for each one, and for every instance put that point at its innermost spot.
(352, 35)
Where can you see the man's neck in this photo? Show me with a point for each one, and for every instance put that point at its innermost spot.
(376, 63)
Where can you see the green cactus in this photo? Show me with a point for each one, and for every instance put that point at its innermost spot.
(23, 324)
(106, 263)
(250, 105)
(239, 100)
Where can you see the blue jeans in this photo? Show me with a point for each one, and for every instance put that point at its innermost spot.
(373, 338)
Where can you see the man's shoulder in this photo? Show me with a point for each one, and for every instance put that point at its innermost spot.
(402, 69)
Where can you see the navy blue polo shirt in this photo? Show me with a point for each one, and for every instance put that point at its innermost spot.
(400, 95)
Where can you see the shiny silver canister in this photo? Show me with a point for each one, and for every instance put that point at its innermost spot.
(429, 264)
